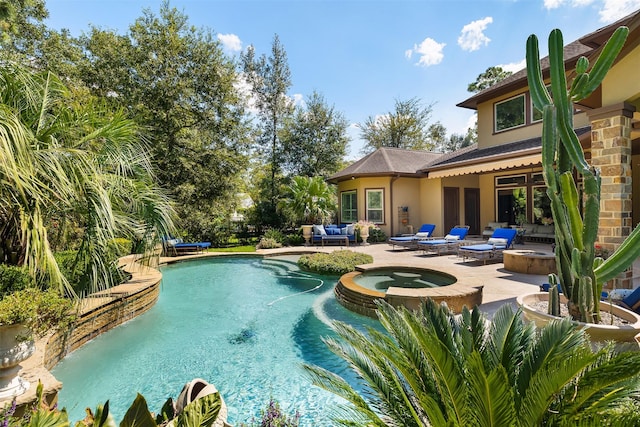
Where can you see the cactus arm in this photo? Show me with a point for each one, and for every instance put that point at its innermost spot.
(591, 210)
(571, 204)
(537, 89)
(621, 259)
(604, 62)
(578, 86)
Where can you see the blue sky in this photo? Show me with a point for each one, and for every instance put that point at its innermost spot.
(362, 55)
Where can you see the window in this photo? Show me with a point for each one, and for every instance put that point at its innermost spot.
(541, 206)
(512, 205)
(510, 113)
(511, 180)
(348, 206)
(375, 206)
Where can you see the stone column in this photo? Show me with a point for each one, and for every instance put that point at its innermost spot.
(611, 153)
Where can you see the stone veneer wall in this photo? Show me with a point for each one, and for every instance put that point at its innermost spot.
(98, 320)
(611, 153)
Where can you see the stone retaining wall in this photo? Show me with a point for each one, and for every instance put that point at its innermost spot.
(98, 320)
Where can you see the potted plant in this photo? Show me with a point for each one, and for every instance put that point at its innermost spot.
(26, 314)
(362, 227)
(580, 273)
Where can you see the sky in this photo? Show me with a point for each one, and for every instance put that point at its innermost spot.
(364, 55)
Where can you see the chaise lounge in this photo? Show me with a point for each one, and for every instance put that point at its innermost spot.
(175, 246)
(501, 239)
(411, 241)
(449, 243)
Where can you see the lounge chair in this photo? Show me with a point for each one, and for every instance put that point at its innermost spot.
(174, 246)
(501, 239)
(411, 241)
(449, 243)
(632, 301)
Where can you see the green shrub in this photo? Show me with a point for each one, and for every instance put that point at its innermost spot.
(338, 262)
(293, 239)
(267, 243)
(39, 310)
(13, 279)
(121, 247)
(274, 234)
(376, 235)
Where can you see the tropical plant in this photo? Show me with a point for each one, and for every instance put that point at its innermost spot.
(580, 274)
(40, 311)
(310, 199)
(202, 412)
(66, 159)
(435, 368)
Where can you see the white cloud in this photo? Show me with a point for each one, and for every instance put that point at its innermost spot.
(298, 99)
(552, 4)
(472, 36)
(471, 122)
(612, 10)
(430, 52)
(514, 67)
(230, 42)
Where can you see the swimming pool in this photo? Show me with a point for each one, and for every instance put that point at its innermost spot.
(244, 324)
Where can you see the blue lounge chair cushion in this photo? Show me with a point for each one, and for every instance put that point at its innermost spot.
(632, 299)
(425, 231)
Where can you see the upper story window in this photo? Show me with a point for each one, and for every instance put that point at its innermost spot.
(348, 206)
(510, 113)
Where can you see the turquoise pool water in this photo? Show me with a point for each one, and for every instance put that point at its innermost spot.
(381, 279)
(244, 324)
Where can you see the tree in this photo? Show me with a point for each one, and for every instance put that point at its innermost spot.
(310, 199)
(432, 367)
(406, 127)
(65, 157)
(457, 141)
(314, 139)
(269, 79)
(491, 76)
(177, 82)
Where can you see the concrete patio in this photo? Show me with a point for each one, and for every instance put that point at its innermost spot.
(500, 286)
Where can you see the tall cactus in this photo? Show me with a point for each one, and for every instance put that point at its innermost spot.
(580, 273)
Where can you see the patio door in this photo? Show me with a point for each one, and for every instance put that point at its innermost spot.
(451, 208)
(472, 209)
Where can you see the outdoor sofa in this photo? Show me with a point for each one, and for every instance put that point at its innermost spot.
(343, 233)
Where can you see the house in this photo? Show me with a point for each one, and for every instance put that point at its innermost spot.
(499, 179)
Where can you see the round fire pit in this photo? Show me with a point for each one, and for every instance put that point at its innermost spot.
(530, 261)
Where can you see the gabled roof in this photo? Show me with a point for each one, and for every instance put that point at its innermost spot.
(387, 161)
(588, 45)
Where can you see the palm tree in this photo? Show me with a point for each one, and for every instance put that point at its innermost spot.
(433, 368)
(64, 157)
(310, 199)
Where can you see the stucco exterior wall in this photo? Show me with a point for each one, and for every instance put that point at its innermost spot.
(487, 138)
(431, 202)
(487, 199)
(406, 192)
(617, 86)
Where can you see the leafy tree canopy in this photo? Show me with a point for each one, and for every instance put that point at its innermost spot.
(491, 76)
(405, 127)
(176, 81)
(314, 139)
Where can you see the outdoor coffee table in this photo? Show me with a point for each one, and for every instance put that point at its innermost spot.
(335, 238)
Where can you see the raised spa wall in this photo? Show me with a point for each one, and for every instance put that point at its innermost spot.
(466, 291)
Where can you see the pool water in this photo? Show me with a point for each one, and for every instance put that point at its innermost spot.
(381, 279)
(244, 324)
